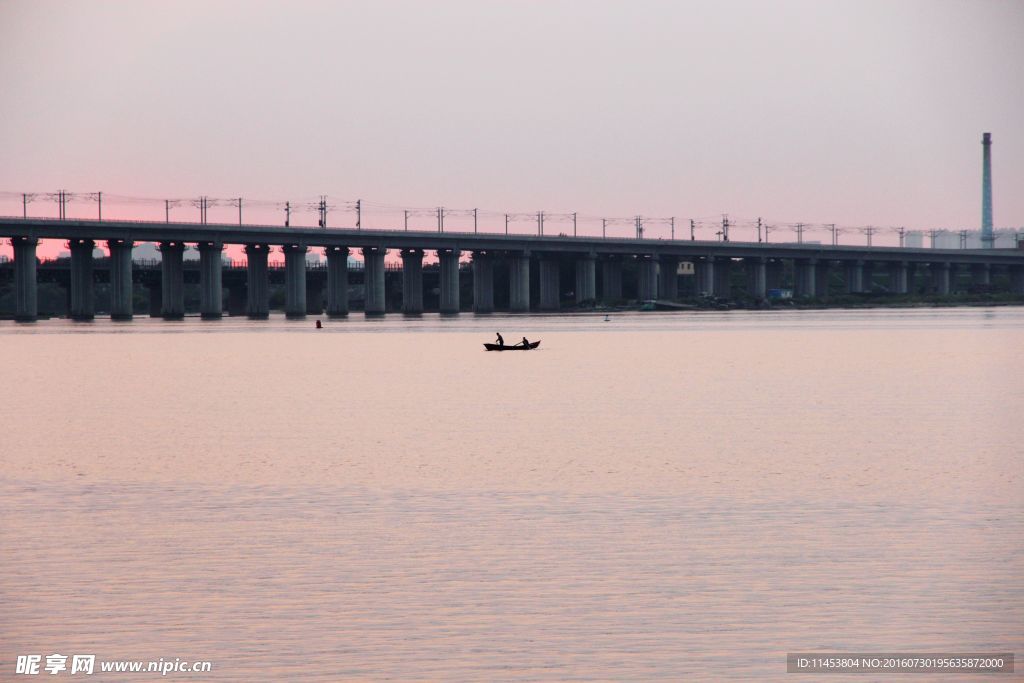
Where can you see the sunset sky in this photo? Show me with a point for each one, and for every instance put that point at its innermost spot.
(856, 113)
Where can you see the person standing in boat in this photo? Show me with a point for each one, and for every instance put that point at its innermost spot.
(501, 340)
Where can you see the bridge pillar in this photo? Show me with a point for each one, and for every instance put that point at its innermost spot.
(854, 277)
(257, 285)
(483, 282)
(120, 279)
(799, 279)
(519, 282)
(773, 274)
(722, 278)
(586, 279)
(82, 305)
(337, 282)
(211, 281)
(868, 283)
(981, 274)
(704, 270)
(757, 276)
(412, 281)
(549, 284)
(172, 280)
(373, 279)
(898, 277)
(1016, 279)
(804, 277)
(954, 278)
(647, 278)
(821, 271)
(668, 277)
(941, 277)
(911, 277)
(25, 292)
(611, 279)
(449, 259)
(294, 280)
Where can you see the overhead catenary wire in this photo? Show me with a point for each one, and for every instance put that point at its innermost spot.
(355, 211)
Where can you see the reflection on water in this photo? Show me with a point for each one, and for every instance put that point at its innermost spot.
(659, 496)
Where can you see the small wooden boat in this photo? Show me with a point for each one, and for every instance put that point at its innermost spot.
(514, 347)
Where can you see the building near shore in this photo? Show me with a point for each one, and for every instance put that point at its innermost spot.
(1004, 238)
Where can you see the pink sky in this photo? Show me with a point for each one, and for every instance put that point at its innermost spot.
(858, 112)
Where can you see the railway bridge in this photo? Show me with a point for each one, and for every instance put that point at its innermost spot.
(593, 261)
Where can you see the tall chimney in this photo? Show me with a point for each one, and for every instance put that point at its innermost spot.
(987, 237)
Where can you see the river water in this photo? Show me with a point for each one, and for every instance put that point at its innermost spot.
(656, 496)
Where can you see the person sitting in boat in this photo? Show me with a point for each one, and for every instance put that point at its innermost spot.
(501, 340)
(526, 342)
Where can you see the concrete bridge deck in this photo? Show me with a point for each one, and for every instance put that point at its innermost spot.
(657, 262)
(228, 233)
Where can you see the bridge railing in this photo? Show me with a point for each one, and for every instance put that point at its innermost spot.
(500, 234)
(788, 237)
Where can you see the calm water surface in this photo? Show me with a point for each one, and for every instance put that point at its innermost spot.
(683, 496)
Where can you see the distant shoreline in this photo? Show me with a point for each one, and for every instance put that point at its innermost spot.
(684, 306)
(838, 302)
